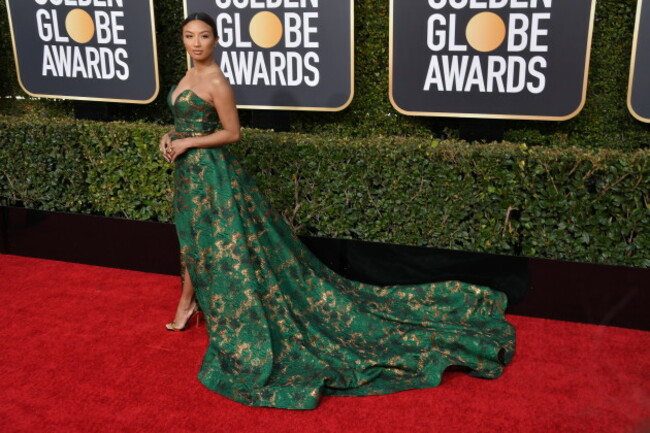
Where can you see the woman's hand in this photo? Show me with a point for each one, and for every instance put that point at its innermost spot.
(176, 148)
(165, 143)
(172, 149)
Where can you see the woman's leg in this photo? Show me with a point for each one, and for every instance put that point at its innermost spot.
(187, 305)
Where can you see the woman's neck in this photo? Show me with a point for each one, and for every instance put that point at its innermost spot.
(200, 67)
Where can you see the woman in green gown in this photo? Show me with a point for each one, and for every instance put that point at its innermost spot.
(283, 328)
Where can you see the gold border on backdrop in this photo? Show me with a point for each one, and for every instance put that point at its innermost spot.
(635, 53)
(487, 115)
(84, 98)
(299, 108)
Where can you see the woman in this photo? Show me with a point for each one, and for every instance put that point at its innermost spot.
(283, 328)
(203, 87)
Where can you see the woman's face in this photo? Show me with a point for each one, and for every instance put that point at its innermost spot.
(199, 40)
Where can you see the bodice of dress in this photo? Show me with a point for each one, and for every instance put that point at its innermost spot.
(192, 115)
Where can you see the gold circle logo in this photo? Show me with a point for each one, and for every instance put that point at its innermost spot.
(485, 31)
(80, 26)
(265, 29)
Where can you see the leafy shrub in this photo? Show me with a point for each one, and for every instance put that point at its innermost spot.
(561, 203)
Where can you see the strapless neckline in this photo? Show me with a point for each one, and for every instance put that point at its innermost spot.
(173, 101)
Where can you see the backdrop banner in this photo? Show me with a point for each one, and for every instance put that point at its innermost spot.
(285, 54)
(506, 59)
(638, 97)
(102, 50)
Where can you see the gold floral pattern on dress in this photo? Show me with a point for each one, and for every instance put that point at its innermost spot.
(283, 328)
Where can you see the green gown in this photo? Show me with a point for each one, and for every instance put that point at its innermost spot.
(283, 328)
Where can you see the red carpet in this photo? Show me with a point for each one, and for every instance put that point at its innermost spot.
(84, 350)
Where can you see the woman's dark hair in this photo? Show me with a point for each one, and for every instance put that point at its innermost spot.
(202, 16)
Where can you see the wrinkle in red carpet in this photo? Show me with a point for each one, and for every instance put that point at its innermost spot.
(84, 349)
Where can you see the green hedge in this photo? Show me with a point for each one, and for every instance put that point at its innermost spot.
(604, 123)
(561, 203)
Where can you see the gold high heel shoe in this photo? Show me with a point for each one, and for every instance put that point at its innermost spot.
(195, 312)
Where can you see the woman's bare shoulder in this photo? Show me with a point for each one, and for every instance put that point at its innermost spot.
(217, 80)
(219, 84)
(187, 78)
